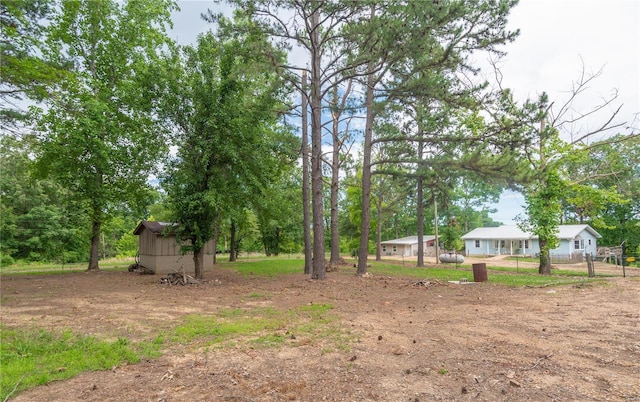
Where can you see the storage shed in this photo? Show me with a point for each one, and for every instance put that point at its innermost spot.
(159, 250)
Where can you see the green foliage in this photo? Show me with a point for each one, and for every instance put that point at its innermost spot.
(610, 200)
(36, 357)
(230, 146)
(450, 235)
(25, 74)
(6, 259)
(36, 221)
(99, 135)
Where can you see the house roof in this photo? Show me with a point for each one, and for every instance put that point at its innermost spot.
(409, 240)
(572, 231)
(153, 226)
(513, 232)
(505, 232)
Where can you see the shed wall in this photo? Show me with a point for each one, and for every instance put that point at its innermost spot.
(162, 254)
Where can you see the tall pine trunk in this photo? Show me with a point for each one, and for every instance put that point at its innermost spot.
(420, 207)
(306, 213)
(335, 174)
(319, 270)
(366, 174)
(379, 229)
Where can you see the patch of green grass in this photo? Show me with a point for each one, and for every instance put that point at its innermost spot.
(225, 325)
(29, 358)
(264, 327)
(114, 264)
(267, 267)
(507, 276)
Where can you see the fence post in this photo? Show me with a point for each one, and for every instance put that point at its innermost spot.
(590, 266)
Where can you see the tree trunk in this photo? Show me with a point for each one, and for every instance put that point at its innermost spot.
(545, 261)
(306, 213)
(335, 173)
(319, 270)
(366, 175)
(435, 227)
(216, 235)
(232, 250)
(198, 262)
(379, 229)
(420, 213)
(94, 252)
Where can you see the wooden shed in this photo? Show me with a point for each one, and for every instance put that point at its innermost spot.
(160, 252)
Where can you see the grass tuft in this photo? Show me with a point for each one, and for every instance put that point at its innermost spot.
(33, 357)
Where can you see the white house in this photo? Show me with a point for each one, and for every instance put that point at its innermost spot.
(575, 241)
(408, 246)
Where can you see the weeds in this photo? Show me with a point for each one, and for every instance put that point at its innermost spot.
(35, 356)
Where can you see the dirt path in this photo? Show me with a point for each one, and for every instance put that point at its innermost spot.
(477, 342)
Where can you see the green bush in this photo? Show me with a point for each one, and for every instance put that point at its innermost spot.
(6, 259)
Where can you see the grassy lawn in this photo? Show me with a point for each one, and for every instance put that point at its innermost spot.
(111, 264)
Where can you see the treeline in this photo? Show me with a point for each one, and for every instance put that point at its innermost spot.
(377, 129)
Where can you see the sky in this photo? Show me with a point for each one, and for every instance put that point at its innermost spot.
(559, 41)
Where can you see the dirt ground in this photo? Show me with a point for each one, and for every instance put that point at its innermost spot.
(442, 342)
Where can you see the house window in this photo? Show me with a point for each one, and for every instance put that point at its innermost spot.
(477, 243)
(395, 249)
(578, 244)
(384, 248)
(589, 241)
(496, 244)
(526, 244)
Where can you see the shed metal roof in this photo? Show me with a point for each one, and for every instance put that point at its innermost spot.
(153, 226)
(409, 240)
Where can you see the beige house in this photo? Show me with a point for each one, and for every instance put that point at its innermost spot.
(408, 246)
(159, 251)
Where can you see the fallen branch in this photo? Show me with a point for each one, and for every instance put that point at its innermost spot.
(14, 388)
(179, 278)
(424, 282)
(539, 361)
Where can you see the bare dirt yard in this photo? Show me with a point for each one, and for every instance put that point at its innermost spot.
(441, 342)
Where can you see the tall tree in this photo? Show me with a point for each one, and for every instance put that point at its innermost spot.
(304, 155)
(99, 135)
(342, 139)
(313, 27)
(224, 101)
(547, 181)
(412, 43)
